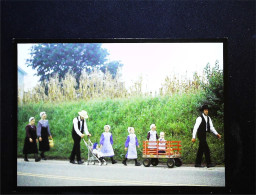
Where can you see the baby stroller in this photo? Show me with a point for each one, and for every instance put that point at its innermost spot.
(91, 156)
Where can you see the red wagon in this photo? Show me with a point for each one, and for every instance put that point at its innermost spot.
(155, 150)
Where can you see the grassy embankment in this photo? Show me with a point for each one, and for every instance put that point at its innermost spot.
(174, 115)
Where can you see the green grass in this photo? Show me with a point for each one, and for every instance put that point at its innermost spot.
(174, 115)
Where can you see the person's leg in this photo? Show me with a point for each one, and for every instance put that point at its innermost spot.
(124, 161)
(42, 155)
(36, 157)
(113, 161)
(78, 152)
(136, 162)
(200, 153)
(207, 153)
(26, 157)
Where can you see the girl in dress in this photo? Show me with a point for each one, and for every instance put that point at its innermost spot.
(106, 142)
(131, 143)
(30, 145)
(152, 136)
(162, 146)
(43, 131)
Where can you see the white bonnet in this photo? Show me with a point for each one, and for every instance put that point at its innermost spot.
(107, 126)
(129, 129)
(162, 133)
(42, 113)
(31, 118)
(152, 125)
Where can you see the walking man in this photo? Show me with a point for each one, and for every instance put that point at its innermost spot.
(79, 127)
(203, 125)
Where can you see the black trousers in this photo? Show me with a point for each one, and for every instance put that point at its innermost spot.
(76, 148)
(203, 149)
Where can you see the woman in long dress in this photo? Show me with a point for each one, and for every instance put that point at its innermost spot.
(106, 142)
(43, 132)
(30, 144)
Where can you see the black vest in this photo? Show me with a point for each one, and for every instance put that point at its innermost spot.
(78, 123)
(201, 129)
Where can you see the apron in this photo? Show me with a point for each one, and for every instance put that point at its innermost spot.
(161, 145)
(132, 152)
(44, 144)
(107, 149)
(152, 138)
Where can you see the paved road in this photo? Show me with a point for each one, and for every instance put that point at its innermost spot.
(62, 173)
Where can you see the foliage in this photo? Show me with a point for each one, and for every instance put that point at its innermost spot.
(175, 115)
(214, 89)
(51, 58)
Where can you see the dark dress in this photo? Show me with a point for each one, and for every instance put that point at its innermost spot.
(44, 132)
(30, 148)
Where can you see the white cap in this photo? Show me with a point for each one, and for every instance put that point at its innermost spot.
(42, 113)
(31, 118)
(107, 126)
(152, 125)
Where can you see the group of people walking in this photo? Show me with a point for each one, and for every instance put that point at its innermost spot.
(104, 148)
(34, 134)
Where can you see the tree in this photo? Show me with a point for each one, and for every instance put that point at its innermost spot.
(51, 58)
(214, 89)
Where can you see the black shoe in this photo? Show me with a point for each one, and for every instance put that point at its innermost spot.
(210, 165)
(114, 162)
(37, 159)
(124, 162)
(80, 162)
(137, 164)
(25, 159)
(199, 165)
(72, 161)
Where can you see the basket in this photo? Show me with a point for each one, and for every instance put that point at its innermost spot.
(51, 143)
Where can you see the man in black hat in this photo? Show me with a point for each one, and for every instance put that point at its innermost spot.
(203, 125)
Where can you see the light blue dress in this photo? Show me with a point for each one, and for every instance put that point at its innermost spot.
(106, 141)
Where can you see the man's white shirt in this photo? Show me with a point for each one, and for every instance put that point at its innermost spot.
(75, 122)
(198, 122)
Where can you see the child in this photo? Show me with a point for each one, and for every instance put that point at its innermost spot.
(106, 142)
(131, 143)
(162, 146)
(152, 136)
(96, 151)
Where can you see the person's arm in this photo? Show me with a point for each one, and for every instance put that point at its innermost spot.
(27, 132)
(39, 127)
(75, 122)
(127, 142)
(137, 143)
(148, 136)
(102, 138)
(198, 122)
(86, 129)
(48, 129)
(212, 129)
(111, 139)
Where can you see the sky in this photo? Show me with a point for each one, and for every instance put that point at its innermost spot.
(152, 61)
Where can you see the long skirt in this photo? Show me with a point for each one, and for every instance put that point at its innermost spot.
(44, 144)
(30, 147)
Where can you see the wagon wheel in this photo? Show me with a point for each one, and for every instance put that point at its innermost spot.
(154, 161)
(170, 163)
(178, 162)
(146, 162)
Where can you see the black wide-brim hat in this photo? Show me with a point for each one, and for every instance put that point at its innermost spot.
(205, 106)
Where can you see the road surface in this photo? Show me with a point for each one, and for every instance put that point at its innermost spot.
(63, 173)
